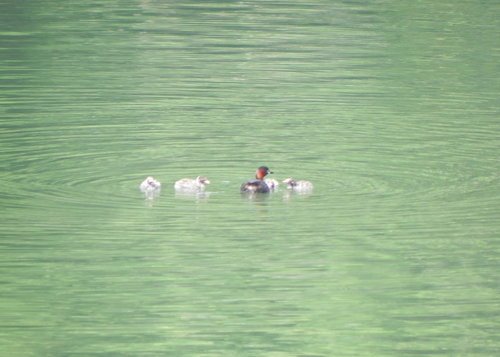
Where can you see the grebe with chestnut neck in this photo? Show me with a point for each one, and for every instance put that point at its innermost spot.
(257, 185)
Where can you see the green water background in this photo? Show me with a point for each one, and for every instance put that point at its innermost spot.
(390, 108)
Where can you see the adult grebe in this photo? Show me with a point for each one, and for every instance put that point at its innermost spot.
(258, 184)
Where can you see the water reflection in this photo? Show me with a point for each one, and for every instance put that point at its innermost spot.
(256, 197)
(198, 196)
(152, 195)
(291, 194)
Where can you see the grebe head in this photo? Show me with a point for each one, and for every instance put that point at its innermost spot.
(262, 172)
(152, 181)
(202, 180)
(290, 182)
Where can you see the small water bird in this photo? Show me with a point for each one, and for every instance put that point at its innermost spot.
(257, 185)
(301, 186)
(192, 185)
(272, 184)
(150, 186)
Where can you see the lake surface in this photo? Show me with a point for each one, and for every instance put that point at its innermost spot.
(390, 108)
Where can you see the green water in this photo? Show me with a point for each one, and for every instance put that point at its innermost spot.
(391, 109)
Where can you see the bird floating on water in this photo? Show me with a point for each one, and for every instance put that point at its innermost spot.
(301, 186)
(193, 185)
(257, 185)
(150, 184)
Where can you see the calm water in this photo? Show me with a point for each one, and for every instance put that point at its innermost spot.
(391, 108)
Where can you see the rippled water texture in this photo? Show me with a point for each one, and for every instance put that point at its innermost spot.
(390, 108)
